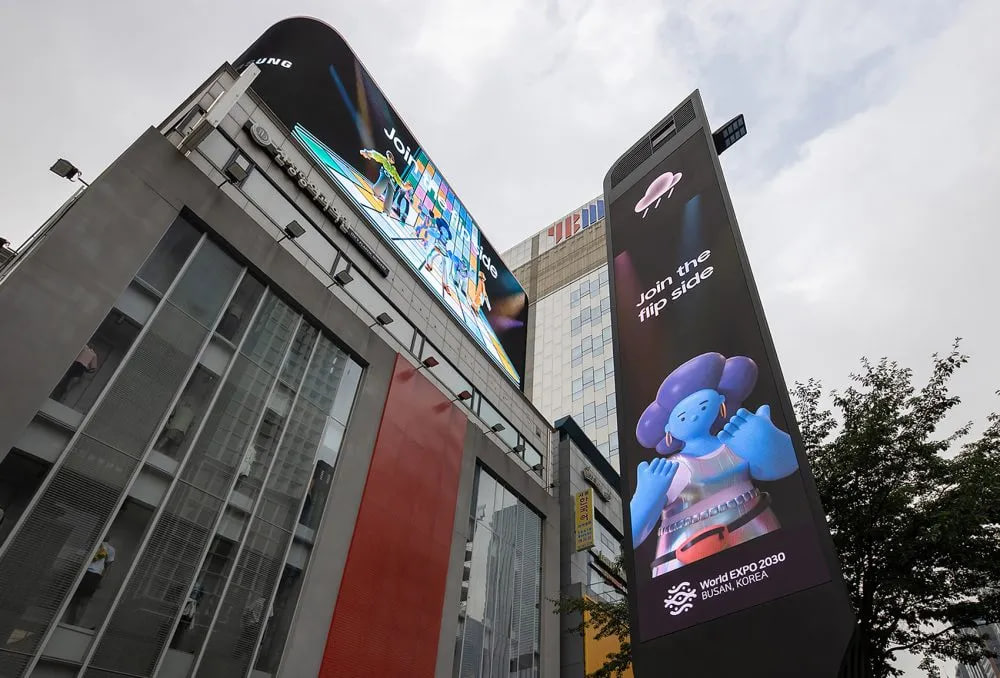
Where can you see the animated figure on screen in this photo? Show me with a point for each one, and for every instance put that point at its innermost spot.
(439, 235)
(388, 178)
(478, 293)
(703, 495)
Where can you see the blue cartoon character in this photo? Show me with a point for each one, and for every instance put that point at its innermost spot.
(702, 492)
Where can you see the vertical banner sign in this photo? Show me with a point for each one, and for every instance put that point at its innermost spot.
(720, 518)
(584, 519)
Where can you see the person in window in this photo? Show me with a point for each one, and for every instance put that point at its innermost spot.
(188, 613)
(85, 362)
(176, 430)
(252, 618)
(98, 567)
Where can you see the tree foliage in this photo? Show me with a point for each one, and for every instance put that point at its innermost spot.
(607, 620)
(914, 514)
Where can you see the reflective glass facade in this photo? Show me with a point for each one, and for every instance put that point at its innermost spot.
(203, 423)
(499, 613)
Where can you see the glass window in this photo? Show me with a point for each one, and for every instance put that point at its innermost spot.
(585, 314)
(585, 288)
(577, 385)
(206, 284)
(574, 298)
(602, 411)
(578, 351)
(588, 376)
(574, 324)
(588, 413)
(609, 366)
(90, 371)
(187, 414)
(272, 643)
(499, 610)
(236, 319)
(162, 266)
(217, 148)
(108, 563)
(612, 402)
(606, 333)
(491, 416)
(613, 440)
(20, 476)
(605, 305)
(588, 345)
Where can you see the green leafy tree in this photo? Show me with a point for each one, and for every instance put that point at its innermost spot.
(607, 620)
(914, 514)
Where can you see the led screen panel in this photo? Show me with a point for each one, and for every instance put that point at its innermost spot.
(315, 84)
(720, 518)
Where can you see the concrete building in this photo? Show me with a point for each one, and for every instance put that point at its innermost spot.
(588, 552)
(240, 437)
(570, 368)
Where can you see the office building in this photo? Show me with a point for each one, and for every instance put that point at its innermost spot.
(570, 369)
(591, 535)
(241, 433)
(990, 666)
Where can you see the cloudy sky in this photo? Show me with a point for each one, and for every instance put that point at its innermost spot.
(867, 191)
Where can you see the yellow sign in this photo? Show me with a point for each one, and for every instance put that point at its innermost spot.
(585, 519)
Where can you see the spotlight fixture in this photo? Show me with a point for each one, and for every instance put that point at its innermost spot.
(497, 427)
(343, 278)
(429, 362)
(729, 134)
(294, 229)
(67, 170)
(382, 319)
(463, 396)
(519, 448)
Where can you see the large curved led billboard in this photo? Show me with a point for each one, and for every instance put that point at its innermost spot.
(316, 85)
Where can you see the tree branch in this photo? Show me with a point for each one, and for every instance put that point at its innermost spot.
(924, 639)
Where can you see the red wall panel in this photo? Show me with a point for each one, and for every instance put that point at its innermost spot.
(388, 614)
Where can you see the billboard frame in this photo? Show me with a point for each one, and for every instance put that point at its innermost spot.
(805, 652)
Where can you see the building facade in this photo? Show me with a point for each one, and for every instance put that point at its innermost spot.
(570, 368)
(590, 544)
(234, 447)
(990, 666)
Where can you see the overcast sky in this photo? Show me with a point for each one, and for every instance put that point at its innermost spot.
(867, 190)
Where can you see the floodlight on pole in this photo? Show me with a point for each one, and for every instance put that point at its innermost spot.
(67, 170)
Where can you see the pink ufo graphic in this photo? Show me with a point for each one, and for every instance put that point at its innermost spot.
(660, 186)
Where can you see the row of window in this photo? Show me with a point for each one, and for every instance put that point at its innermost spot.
(324, 259)
(589, 286)
(181, 511)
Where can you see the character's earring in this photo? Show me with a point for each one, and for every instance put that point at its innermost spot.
(670, 439)
(722, 410)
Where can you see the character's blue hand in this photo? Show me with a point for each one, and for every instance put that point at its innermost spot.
(763, 445)
(652, 482)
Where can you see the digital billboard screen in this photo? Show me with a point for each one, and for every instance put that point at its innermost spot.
(316, 86)
(719, 517)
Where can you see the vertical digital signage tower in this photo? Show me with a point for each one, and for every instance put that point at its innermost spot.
(731, 568)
